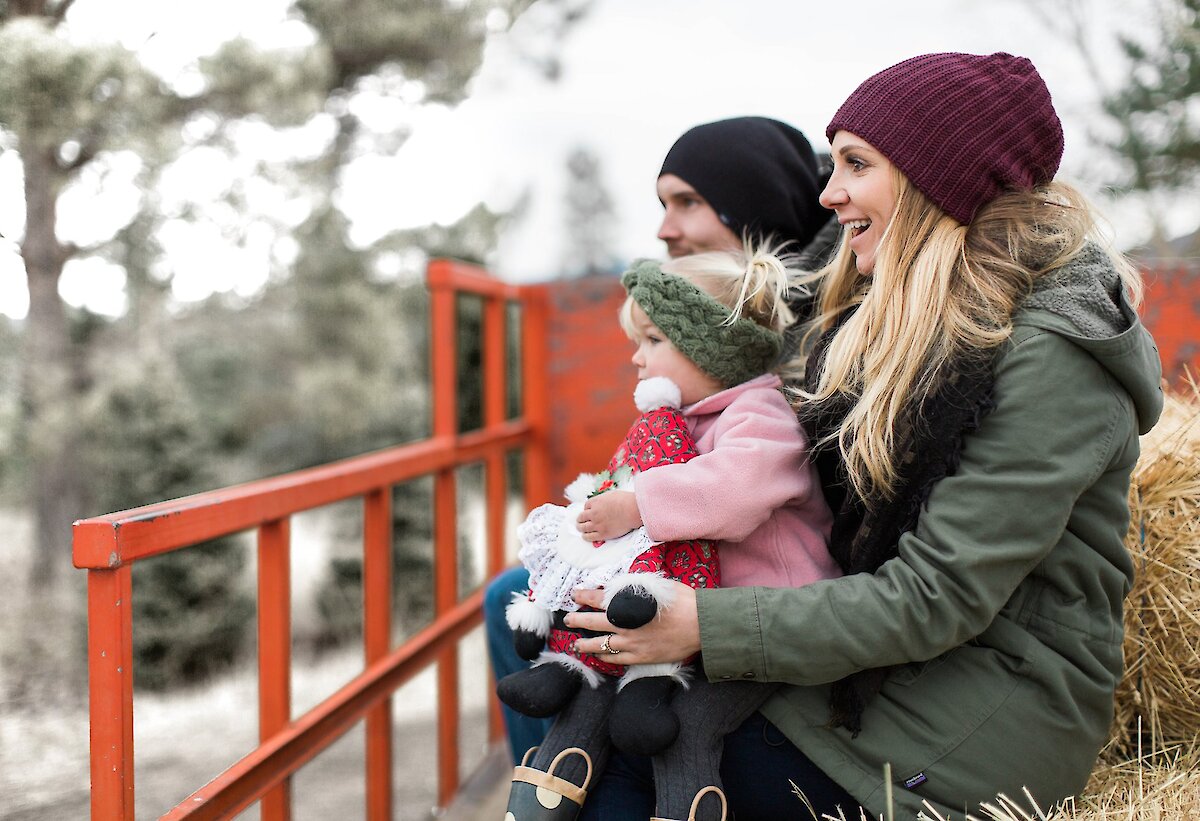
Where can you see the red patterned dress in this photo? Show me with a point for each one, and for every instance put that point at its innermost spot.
(559, 560)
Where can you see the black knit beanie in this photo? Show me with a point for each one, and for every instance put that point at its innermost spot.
(758, 174)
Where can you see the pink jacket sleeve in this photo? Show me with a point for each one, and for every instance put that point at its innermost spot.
(755, 465)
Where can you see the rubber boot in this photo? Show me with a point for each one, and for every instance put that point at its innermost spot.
(692, 816)
(543, 796)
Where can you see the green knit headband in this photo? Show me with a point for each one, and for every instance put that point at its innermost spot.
(696, 324)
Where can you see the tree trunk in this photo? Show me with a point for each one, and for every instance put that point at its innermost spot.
(49, 394)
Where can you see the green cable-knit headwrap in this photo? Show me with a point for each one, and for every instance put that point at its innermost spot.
(698, 325)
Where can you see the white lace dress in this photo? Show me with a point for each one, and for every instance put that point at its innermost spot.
(560, 560)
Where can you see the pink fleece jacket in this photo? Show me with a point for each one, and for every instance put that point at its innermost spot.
(751, 488)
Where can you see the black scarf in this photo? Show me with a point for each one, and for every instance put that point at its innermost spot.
(866, 532)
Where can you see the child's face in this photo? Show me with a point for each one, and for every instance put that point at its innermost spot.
(657, 356)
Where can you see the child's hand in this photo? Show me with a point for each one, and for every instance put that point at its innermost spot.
(608, 515)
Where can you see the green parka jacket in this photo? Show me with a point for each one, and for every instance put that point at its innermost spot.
(1003, 608)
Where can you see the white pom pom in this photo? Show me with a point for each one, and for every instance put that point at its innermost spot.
(523, 614)
(657, 392)
(653, 585)
(582, 487)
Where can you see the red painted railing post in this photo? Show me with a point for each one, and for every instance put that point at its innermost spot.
(535, 404)
(110, 691)
(444, 369)
(377, 643)
(495, 411)
(275, 651)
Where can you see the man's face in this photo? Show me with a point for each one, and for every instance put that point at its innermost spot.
(690, 225)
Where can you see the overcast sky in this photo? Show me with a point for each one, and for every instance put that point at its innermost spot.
(636, 73)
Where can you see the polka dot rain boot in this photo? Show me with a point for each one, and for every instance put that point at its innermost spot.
(696, 805)
(543, 796)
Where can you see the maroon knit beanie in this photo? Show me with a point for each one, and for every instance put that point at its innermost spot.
(962, 127)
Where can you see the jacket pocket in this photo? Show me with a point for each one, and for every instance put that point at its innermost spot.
(948, 697)
(905, 674)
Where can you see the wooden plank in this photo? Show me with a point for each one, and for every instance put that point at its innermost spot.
(105, 542)
(110, 692)
(275, 650)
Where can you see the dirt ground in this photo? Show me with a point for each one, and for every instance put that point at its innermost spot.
(185, 738)
(179, 747)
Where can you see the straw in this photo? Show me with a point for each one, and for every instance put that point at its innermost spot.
(1161, 685)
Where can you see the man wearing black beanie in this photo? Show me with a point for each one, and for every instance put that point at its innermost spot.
(719, 180)
(751, 176)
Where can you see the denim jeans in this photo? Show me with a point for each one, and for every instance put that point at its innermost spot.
(523, 732)
(758, 768)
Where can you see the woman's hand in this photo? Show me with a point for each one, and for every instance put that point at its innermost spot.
(673, 635)
(609, 515)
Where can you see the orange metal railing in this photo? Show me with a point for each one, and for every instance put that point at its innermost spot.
(107, 547)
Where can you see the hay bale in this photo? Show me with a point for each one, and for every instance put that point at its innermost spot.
(1163, 787)
(1161, 685)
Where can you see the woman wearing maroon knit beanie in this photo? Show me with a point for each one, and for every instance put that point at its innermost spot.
(975, 392)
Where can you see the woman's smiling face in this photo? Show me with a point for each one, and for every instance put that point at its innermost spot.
(862, 194)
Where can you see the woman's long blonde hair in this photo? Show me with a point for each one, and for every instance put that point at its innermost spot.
(940, 292)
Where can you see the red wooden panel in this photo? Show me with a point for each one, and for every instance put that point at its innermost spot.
(591, 378)
(1171, 310)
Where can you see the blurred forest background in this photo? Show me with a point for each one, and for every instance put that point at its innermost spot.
(326, 358)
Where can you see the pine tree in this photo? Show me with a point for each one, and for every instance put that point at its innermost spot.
(70, 106)
(1157, 106)
(143, 442)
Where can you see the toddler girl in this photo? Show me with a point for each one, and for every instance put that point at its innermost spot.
(713, 325)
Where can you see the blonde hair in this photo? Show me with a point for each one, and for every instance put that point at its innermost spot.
(751, 282)
(940, 292)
